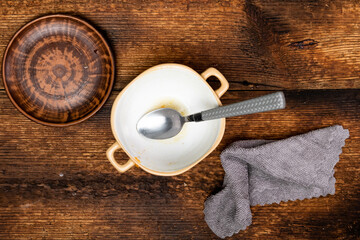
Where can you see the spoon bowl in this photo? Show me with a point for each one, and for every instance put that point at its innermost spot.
(161, 124)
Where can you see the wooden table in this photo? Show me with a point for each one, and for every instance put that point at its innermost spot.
(56, 183)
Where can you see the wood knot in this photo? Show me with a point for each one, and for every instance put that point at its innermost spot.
(304, 44)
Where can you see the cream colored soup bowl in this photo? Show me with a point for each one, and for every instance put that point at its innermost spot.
(178, 87)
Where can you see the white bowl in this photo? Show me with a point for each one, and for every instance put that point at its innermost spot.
(178, 87)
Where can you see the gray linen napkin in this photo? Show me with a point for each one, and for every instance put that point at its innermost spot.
(264, 172)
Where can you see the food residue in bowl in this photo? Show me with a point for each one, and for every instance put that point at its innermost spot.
(171, 103)
(137, 162)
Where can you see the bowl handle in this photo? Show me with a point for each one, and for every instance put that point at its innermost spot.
(110, 155)
(224, 83)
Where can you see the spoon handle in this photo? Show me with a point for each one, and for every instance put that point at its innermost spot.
(273, 101)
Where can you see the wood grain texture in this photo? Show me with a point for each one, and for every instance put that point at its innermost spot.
(252, 42)
(56, 183)
(58, 70)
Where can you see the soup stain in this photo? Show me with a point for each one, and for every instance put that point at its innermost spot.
(173, 104)
(137, 162)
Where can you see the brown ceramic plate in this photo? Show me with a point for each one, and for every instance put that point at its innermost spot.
(58, 70)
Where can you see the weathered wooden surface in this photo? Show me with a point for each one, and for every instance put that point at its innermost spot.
(56, 183)
(250, 41)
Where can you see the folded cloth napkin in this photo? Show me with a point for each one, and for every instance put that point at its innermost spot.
(264, 172)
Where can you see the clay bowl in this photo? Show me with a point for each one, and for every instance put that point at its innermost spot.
(167, 85)
(58, 70)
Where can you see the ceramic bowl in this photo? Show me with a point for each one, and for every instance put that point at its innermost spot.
(58, 70)
(167, 85)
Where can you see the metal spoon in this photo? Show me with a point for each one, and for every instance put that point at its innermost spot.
(166, 122)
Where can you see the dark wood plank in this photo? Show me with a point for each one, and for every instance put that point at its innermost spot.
(56, 183)
(263, 45)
